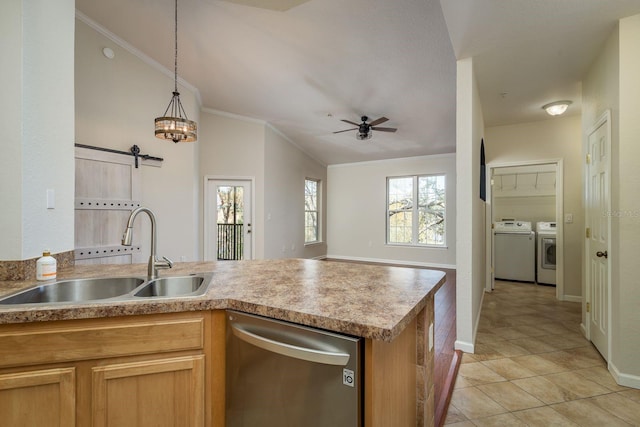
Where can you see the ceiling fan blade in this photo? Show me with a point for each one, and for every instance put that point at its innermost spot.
(379, 129)
(350, 122)
(346, 130)
(379, 121)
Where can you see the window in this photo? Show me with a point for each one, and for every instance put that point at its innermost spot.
(416, 210)
(311, 213)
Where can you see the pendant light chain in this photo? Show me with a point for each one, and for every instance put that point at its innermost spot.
(175, 63)
(176, 127)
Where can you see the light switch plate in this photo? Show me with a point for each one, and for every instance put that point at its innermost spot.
(568, 218)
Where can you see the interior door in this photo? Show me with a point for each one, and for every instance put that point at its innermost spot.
(598, 223)
(228, 220)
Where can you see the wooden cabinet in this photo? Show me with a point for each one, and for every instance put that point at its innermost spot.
(164, 392)
(38, 398)
(124, 371)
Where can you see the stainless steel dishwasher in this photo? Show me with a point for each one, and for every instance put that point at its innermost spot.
(287, 375)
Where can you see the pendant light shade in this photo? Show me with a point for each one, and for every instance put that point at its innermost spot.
(174, 124)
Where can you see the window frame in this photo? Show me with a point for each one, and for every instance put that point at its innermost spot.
(415, 213)
(318, 212)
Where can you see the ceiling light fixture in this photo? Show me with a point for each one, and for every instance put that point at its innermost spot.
(364, 135)
(176, 126)
(556, 108)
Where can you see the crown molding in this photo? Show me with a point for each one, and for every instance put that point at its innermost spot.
(233, 116)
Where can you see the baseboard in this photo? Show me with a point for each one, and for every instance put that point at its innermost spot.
(467, 347)
(572, 298)
(391, 261)
(626, 380)
(319, 257)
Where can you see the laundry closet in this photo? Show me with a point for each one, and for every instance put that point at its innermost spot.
(524, 223)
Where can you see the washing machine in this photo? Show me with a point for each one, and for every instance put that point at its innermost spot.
(546, 263)
(515, 251)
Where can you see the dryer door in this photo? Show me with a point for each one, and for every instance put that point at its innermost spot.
(549, 253)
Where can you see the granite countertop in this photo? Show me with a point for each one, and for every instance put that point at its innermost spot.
(369, 301)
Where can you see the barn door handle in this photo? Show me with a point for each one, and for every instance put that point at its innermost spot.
(601, 254)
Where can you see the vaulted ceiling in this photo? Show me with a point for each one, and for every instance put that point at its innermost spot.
(302, 65)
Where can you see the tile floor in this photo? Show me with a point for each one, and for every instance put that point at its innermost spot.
(532, 367)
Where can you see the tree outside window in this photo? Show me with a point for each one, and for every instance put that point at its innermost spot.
(416, 210)
(311, 214)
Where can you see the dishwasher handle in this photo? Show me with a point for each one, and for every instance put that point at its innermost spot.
(303, 353)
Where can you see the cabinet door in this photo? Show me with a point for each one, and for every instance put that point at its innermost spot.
(155, 393)
(38, 398)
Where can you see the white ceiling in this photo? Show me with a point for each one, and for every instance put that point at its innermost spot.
(302, 65)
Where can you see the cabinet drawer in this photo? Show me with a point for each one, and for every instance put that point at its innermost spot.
(51, 342)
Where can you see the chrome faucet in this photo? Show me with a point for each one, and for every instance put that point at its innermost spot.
(154, 262)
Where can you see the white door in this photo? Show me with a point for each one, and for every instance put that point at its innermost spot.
(228, 220)
(598, 223)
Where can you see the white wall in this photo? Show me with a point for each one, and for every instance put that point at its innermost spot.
(556, 138)
(38, 113)
(470, 215)
(626, 302)
(286, 168)
(357, 200)
(116, 103)
(232, 146)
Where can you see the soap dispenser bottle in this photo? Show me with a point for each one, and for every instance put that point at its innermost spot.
(46, 267)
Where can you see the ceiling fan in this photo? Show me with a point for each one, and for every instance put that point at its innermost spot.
(364, 129)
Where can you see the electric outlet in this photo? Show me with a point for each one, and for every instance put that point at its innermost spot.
(568, 218)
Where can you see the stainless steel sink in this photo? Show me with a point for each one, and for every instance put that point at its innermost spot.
(193, 285)
(75, 290)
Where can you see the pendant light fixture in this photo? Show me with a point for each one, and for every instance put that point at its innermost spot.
(174, 123)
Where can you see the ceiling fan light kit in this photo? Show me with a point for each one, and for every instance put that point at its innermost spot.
(365, 129)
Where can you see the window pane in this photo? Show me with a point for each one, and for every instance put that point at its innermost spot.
(431, 210)
(311, 210)
(400, 210)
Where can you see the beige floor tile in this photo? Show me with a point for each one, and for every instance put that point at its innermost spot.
(564, 342)
(508, 348)
(587, 414)
(543, 417)
(510, 396)
(508, 369)
(544, 390)
(461, 382)
(454, 415)
(477, 373)
(632, 394)
(577, 384)
(553, 329)
(602, 376)
(484, 352)
(534, 345)
(590, 354)
(509, 333)
(530, 331)
(461, 424)
(539, 365)
(620, 406)
(502, 420)
(473, 403)
(570, 359)
(487, 337)
(468, 358)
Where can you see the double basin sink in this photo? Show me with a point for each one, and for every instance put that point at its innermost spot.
(111, 288)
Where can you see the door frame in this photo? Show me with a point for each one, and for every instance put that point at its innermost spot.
(603, 119)
(252, 184)
(489, 279)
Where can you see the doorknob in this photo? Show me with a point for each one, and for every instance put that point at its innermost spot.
(601, 254)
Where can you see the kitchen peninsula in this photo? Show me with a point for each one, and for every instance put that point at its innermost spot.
(83, 346)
